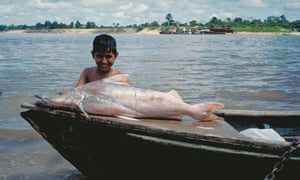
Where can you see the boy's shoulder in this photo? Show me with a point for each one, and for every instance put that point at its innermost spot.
(90, 69)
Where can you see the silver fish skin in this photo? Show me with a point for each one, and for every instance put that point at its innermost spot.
(74, 96)
(114, 97)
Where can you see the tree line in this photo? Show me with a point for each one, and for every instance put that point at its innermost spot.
(49, 25)
(271, 23)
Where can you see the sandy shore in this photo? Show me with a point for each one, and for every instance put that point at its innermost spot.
(268, 33)
(148, 31)
(130, 31)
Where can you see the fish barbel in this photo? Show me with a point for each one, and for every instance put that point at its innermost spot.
(113, 96)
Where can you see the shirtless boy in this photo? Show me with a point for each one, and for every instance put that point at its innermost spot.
(104, 53)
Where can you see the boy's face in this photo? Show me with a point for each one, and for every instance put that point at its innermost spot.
(104, 60)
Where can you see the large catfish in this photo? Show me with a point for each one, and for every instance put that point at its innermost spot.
(114, 97)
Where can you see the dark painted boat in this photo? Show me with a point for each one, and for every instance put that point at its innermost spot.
(111, 148)
(220, 31)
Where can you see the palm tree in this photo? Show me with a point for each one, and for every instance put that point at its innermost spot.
(169, 18)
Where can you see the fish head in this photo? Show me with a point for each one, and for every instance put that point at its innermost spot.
(69, 98)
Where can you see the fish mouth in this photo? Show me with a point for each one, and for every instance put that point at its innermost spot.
(43, 100)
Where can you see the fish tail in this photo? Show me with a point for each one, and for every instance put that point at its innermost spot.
(204, 111)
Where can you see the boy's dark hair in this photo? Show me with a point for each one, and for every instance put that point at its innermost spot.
(104, 43)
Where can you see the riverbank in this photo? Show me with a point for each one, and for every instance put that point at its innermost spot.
(79, 31)
(268, 33)
(148, 31)
(130, 31)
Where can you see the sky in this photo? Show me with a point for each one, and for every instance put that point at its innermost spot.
(129, 12)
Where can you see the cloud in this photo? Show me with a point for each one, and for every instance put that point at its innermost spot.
(293, 4)
(38, 4)
(119, 15)
(253, 3)
(105, 12)
(5, 9)
(125, 7)
(140, 8)
(137, 8)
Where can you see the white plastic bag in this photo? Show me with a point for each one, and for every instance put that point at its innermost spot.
(263, 134)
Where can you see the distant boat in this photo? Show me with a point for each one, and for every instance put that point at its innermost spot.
(167, 32)
(214, 31)
(202, 31)
(109, 147)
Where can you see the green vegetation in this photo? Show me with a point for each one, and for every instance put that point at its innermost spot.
(262, 29)
(270, 24)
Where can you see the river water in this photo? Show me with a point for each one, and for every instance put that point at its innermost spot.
(252, 72)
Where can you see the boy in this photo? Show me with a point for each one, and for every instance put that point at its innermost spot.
(104, 53)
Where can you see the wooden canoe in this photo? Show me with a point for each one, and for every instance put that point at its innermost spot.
(109, 147)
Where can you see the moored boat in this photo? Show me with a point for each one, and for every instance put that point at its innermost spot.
(110, 147)
(212, 30)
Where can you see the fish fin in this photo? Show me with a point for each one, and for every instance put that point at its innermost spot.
(175, 94)
(83, 111)
(211, 117)
(203, 111)
(211, 106)
(128, 118)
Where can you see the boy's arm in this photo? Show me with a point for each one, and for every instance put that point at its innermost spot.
(82, 79)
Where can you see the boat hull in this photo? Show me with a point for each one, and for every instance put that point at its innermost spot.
(109, 149)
